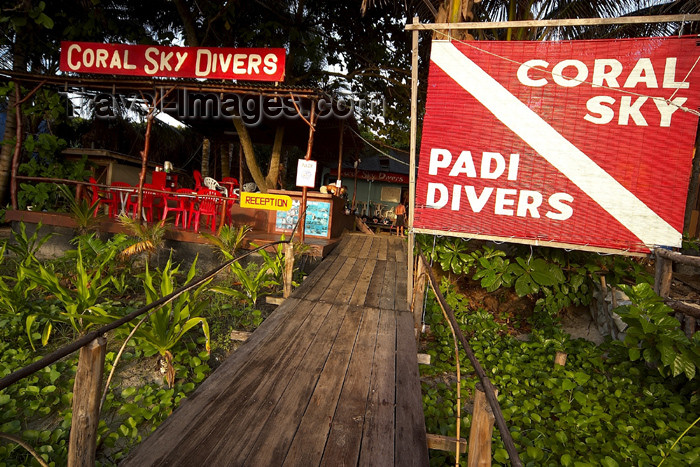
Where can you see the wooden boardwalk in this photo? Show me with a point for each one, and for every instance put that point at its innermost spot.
(330, 378)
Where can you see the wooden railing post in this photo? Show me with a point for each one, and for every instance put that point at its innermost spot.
(418, 294)
(664, 273)
(86, 404)
(288, 269)
(481, 430)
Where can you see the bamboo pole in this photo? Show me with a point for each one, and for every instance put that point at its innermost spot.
(307, 156)
(481, 431)
(556, 22)
(338, 182)
(288, 269)
(86, 404)
(412, 165)
(418, 295)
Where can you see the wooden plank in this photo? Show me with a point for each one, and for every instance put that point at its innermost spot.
(401, 300)
(322, 283)
(365, 251)
(281, 398)
(194, 409)
(446, 443)
(410, 441)
(383, 247)
(378, 436)
(694, 217)
(345, 291)
(310, 438)
(349, 244)
(311, 280)
(345, 437)
(228, 427)
(387, 297)
(359, 294)
(375, 285)
(277, 432)
(341, 279)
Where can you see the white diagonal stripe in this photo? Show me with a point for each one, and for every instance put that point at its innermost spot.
(557, 150)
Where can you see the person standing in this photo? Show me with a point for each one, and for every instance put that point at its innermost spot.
(400, 211)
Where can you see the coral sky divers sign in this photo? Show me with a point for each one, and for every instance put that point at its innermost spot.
(249, 64)
(572, 143)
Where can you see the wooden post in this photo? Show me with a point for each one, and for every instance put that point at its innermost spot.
(338, 182)
(240, 166)
(418, 296)
(559, 359)
(481, 430)
(144, 155)
(309, 148)
(664, 273)
(412, 165)
(18, 146)
(288, 269)
(86, 404)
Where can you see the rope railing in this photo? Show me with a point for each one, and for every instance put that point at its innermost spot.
(489, 390)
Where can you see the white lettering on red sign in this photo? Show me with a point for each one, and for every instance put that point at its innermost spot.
(256, 64)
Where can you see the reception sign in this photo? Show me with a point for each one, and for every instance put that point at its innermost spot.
(570, 143)
(265, 201)
(248, 64)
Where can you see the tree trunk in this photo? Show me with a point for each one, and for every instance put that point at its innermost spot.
(206, 151)
(188, 23)
(225, 150)
(274, 171)
(249, 152)
(7, 150)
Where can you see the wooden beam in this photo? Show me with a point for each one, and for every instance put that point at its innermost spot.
(481, 430)
(445, 443)
(288, 269)
(556, 22)
(678, 257)
(86, 404)
(683, 307)
(663, 275)
(527, 241)
(412, 164)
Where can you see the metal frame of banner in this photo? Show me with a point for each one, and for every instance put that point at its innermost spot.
(415, 28)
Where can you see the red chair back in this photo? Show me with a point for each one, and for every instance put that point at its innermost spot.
(208, 202)
(197, 175)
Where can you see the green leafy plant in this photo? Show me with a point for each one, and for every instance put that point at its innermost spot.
(493, 270)
(228, 240)
(80, 295)
(453, 255)
(252, 280)
(170, 322)
(26, 247)
(82, 211)
(149, 238)
(655, 335)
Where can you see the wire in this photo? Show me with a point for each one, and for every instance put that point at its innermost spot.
(379, 150)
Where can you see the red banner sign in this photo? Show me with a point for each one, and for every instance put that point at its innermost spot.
(371, 175)
(250, 64)
(584, 143)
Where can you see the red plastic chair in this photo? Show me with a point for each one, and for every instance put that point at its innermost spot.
(197, 175)
(103, 197)
(182, 206)
(148, 203)
(208, 204)
(230, 184)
